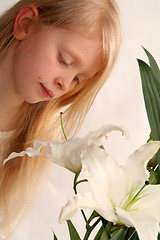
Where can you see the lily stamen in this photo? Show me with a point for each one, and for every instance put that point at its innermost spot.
(137, 196)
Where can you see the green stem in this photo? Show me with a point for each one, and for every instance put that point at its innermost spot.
(84, 216)
(75, 182)
(62, 126)
(81, 181)
(75, 190)
(90, 229)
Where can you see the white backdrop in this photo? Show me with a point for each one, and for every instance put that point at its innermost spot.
(119, 102)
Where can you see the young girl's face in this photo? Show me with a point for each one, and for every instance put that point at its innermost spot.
(50, 62)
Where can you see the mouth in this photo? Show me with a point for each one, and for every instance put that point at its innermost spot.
(46, 92)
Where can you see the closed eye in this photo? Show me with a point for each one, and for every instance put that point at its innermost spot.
(62, 61)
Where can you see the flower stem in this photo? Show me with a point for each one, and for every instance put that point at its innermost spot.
(90, 229)
(75, 182)
(75, 190)
(81, 181)
(62, 126)
(84, 216)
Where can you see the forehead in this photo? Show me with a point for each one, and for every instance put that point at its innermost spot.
(88, 51)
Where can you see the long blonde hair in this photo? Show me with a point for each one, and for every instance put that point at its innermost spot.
(20, 177)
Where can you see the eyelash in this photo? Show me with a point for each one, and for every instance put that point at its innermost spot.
(64, 63)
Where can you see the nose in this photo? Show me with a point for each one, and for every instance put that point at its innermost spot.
(65, 83)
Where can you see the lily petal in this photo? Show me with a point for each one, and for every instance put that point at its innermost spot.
(66, 154)
(84, 200)
(106, 178)
(146, 226)
(31, 152)
(150, 203)
(135, 168)
(79, 201)
(95, 137)
(115, 187)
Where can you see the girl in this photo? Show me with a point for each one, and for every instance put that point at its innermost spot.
(53, 54)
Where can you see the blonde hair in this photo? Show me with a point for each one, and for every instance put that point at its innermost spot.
(19, 177)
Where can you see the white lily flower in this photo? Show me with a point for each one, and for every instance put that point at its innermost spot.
(67, 154)
(119, 193)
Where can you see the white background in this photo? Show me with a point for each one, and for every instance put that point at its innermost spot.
(119, 102)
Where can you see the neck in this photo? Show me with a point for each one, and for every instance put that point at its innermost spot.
(9, 101)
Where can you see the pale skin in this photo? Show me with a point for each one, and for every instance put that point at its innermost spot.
(45, 64)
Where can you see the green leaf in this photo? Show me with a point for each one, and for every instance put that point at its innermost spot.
(158, 236)
(55, 238)
(93, 215)
(106, 231)
(151, 98)
(154, 176)
(134, 237)
(104, 235)
(151, 92)
(73, 232)
(153, 64)
(104, 222)
(131, 234)
(99, 233)
(120, 234)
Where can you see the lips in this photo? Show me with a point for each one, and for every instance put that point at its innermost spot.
(46, 92)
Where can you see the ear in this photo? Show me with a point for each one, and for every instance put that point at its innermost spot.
(25, 16)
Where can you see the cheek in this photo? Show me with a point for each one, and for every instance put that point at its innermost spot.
(36, 63)
(43, 63)
(31, 67)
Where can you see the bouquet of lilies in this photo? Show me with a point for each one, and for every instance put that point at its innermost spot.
(125, 200)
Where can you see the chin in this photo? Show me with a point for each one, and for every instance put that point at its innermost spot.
(34, 101)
